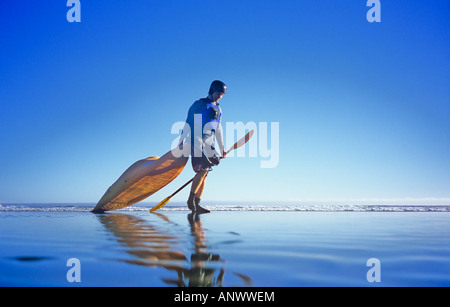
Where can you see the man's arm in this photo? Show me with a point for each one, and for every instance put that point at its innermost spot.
(219, 139)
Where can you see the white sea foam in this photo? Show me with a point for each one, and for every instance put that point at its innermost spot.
(254, 207)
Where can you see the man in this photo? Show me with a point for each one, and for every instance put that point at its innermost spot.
(202, 128)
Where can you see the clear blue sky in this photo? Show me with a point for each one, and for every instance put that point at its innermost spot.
(363, 108)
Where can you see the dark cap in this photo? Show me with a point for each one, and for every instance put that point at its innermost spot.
(217, 86)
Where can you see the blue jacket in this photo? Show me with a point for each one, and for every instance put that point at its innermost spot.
(204, 113)
(204, 120)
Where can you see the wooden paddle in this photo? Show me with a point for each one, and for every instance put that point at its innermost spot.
(238, 144)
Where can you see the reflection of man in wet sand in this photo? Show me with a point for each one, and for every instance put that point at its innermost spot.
(152, 247)
(199, 274)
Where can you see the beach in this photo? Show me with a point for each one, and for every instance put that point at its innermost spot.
(226, 248)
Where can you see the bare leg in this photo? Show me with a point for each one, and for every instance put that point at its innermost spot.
(201, 188)
(198, 182)
(198, 186)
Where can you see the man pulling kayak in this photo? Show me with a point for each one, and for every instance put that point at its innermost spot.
(202, 129)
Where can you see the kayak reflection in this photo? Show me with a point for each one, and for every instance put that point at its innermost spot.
(154, 246)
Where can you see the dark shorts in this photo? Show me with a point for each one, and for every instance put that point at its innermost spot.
(200, 164)
(204, 163)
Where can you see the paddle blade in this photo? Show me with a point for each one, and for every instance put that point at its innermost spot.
(241, 141)
(161, 204)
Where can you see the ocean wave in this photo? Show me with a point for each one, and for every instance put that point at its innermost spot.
(251, 208)
(44, 208)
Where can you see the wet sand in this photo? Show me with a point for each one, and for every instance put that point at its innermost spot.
(228, 249)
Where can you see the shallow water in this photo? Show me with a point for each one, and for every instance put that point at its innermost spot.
(224, 248)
